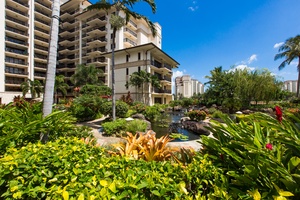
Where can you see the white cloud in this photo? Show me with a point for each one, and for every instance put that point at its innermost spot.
(177, 73)
(193, 8)
(242, 67)
(278, 45)
(252, 58)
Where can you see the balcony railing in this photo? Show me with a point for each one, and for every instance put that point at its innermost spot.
(17, 11)
(16, 20)
(15, 41)
(156, 90)
(132, 23)
(17, 51)
(22, 3)
(167, 66)
(97, 28)
(131, 32)
(101, 49)
(102, 18)
(130, 41)
(41, 12)
(40, 29)
(42, 21)
(14, 60)
(160, 65)
(14, 81)
(101, 59)
(40, 65)
(49, 7)
(13, 70)
(39, 74)
(36, 55)
(41, 39)
(102, 39)
(16, 30)
(41, 47)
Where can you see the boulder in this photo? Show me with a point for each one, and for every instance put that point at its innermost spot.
(138, 116)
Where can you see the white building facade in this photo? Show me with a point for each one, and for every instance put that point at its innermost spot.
(185, 86)
(290, 85)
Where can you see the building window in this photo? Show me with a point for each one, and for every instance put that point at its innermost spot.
(139, 69)
(127, 58)
(139, 56)
(127, 71)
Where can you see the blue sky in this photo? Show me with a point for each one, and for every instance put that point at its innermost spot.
(204, 34)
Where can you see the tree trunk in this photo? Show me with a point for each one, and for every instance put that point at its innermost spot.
(298, 82)
(113, 76)
(51, 67)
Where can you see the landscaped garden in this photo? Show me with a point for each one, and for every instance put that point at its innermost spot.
(256, 158)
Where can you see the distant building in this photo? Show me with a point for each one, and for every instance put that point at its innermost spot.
(290, 86)
(185, 86)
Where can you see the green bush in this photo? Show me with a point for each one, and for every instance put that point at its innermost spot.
(261, 156)
(121, 108)
(218, 114)
(197, 115)
(71, 169)
(86, 107)
(136, 126)
(139, 107)
(154, 113)
(24, 123)
(116, 127)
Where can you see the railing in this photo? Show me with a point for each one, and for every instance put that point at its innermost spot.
(16, 20)
(156, 64)
(39, 74)
(130, 41)
(132, 23)
(16, 30)
(36, 55)
(167, 66)
(40, 47)
(39, 11)
(13, 70)
(14, 81)
(102, 18)
(84, 25)
(16, 10)
(131, 32)
(40, 65)
(14, 60)
(49, 7)
(156, 90)
(42, 21)
(102, 39)
(41, 30)
(15, 41)
(97, 28)
(20, 2)
(17, 51)
(40, 38)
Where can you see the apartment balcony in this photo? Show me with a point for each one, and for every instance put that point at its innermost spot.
(39, 74)
(11, 21)
(40, 66)
(20, 5)
(165, 67)
(130, 33)
(132, 25)
(15, 62)
(16, 82)
(40, 58)
(65, 59)
(129, 43)
(84, 26)
(16, 11)
(96, 20)
(41, 22)
(42, 5)
(41, 31)
(97, 41)
(9, 41)
(162, 91)
(97, 31)
(17, 53)
(66, 68)
(15, 72)
(101, 61)
(42, 13)
(42, 41)
(96, 51)
(41, 49)
(16, 33)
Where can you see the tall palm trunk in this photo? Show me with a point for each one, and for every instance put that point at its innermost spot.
(113, 76)
(51, 67)
(298, 82)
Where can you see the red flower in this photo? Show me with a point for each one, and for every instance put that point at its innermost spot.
(278, 113)
(269, 146)
(222, 157)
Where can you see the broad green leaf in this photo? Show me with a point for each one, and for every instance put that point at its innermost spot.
(232, 154)
(112, 187)
(286, 194)
(156, 192)
(293, 162)
(104, 183)
(255, 194)
(81, 197)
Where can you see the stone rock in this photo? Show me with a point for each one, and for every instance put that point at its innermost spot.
(239, 112)
(138, 116)
(247, 112)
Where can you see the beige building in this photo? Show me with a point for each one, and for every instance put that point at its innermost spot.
(24, 37)
(290, 85)
(185, 86)
(85, 36)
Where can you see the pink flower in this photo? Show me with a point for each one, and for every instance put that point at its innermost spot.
(278, 113)
(269, 146)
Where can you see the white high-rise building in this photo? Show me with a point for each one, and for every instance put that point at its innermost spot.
(185, 86)
(290, 86)
(85, 38)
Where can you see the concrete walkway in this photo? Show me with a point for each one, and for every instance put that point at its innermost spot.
(102, 140)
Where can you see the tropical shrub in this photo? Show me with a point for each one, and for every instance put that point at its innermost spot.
(96, 90)
(154, 113)
(86, 107)
(121, 108)
(139, 107)
(261, 157)
(116, 127)
(218, 114)
(196, 115)
(71, 169)
(136, 126)
(24, 123)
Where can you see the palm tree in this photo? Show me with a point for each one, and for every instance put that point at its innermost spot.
(290, 50)
(117, 22)
(60, 86)
(51, 67)
(86, 75)
(35, 88)
(138, 79)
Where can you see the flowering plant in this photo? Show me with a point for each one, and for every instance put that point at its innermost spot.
(196, 115)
